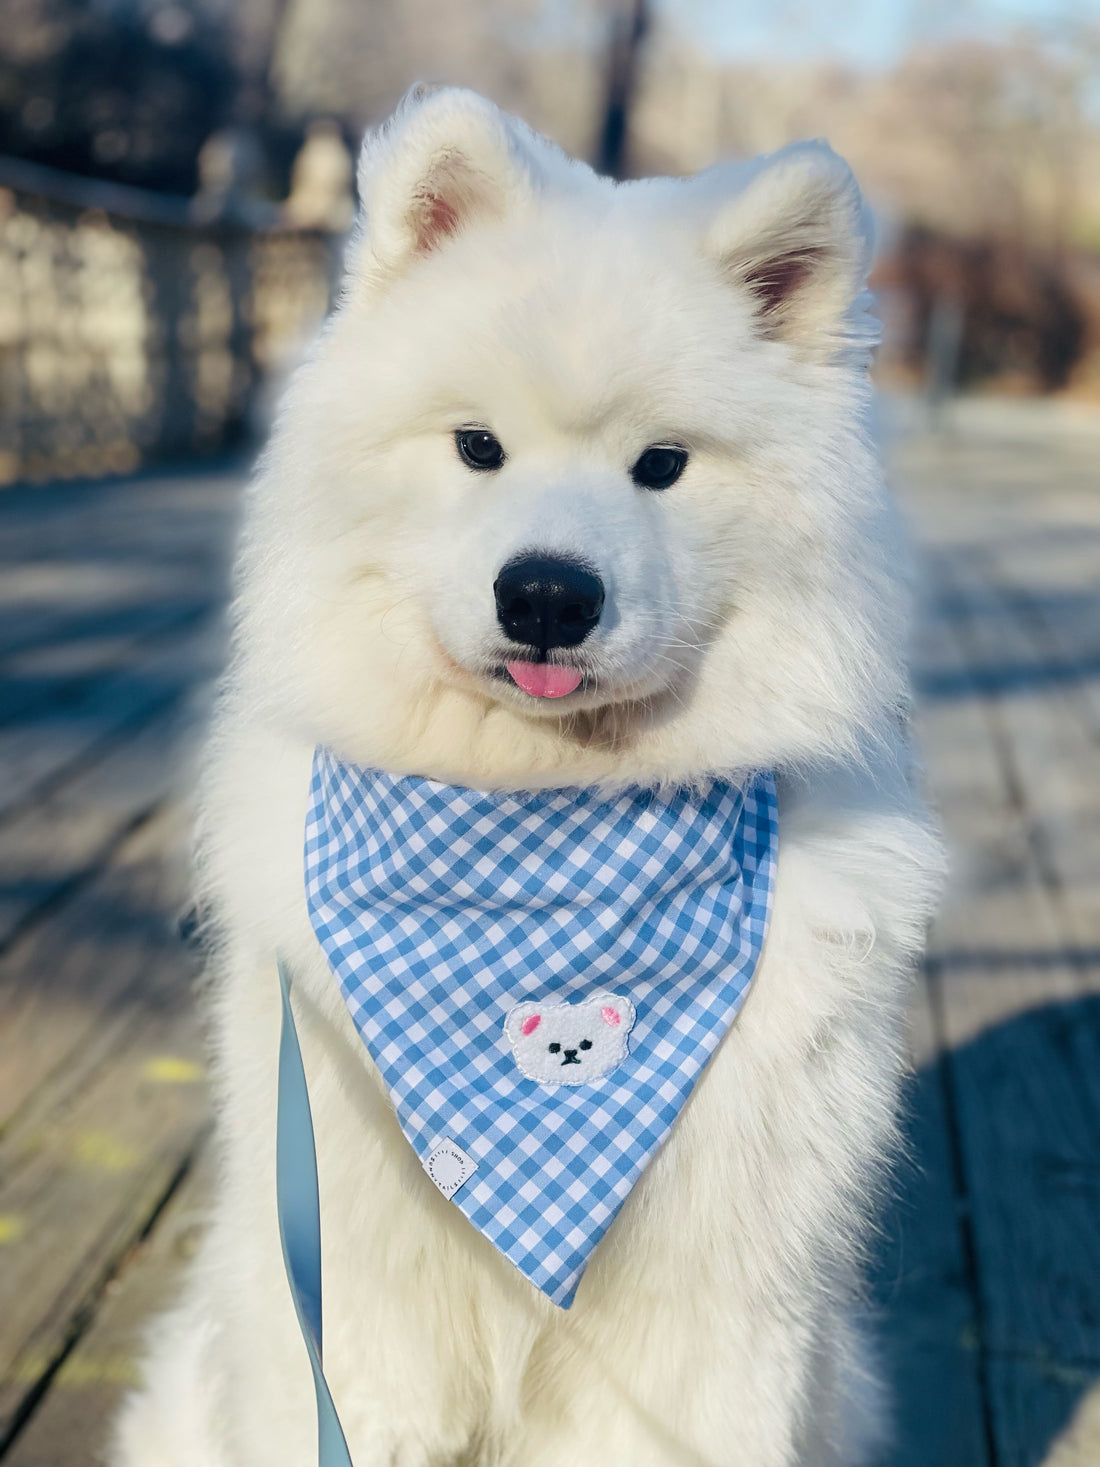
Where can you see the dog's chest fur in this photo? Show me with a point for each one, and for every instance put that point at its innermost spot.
(781, 1141)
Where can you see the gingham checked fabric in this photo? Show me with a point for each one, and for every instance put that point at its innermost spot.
(440, 907)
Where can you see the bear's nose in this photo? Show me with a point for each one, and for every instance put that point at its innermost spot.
(544, 601)
(570, 1057)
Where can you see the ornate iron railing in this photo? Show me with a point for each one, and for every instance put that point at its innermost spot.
(129, 331)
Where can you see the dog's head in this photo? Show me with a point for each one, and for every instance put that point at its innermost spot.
(576, 483)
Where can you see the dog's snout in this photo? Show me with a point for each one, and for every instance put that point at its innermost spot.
(544, 601)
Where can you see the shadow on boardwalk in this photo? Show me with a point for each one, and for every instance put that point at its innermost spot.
(986, 1279)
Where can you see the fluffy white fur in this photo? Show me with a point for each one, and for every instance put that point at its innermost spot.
(755, 617)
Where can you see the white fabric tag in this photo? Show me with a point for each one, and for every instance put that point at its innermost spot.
(449, 1167)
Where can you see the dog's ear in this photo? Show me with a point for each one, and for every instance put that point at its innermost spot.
(797, 238)
(445, 158)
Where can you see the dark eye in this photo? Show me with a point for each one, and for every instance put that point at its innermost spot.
(554, 1048)
(478, 448)
(659, 467)
(586, 1044)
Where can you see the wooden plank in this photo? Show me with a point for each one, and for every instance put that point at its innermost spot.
(168, 511)
(1015, 1000)
(923, 1288)
(1077, 1444)
(101, 1093)
(1026, 1058)
(1064, 624)
(73, 650)
(1054, 755)
(98, 1170)
(72, 1421)
(1034, 1405)
(1030, 1136)
(1024, 1054)
(995, 904)
(87, 569)
(37, 752)
(72, 987)
(933, 1333)
(61, 839)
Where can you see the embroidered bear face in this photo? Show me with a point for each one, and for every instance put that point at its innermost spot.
(570, 1043)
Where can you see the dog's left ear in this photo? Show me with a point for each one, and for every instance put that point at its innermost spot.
(797, 239)
(446, 158)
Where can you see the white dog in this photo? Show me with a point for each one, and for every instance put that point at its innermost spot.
(659, 391)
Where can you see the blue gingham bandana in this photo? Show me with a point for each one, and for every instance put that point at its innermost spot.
(539, 977)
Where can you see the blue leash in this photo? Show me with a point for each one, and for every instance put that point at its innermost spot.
(299, 1207)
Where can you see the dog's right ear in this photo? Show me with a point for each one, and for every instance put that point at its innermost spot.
(446, 158)
(796, 239)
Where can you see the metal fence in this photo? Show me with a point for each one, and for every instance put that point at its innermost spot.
(128, 331)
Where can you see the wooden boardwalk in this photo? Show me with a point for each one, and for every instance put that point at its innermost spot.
(988, 1275)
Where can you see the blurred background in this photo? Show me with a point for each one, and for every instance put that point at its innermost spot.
(174, 177)
(176, 183)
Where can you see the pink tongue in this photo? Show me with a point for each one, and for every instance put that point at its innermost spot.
(544, 679)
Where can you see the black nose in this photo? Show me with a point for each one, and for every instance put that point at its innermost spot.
(570, 1057)
(545, 602)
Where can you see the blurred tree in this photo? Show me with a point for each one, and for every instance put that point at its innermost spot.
(1019, 321)
(982, 157)
(969, 136)
(355, 58)
(629, 24)
(121, 90)
(132, 89)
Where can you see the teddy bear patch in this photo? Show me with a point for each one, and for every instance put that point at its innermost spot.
(570, 1043)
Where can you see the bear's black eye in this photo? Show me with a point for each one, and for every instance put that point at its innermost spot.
(659, 467)
(478, 448)
(586, 1044)
(554, 1048)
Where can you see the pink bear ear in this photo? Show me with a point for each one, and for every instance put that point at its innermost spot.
(530, 1024)
(611, 1016)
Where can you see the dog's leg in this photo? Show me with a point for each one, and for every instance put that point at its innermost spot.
(423, 1321)
(727, 1350)
(169, 1422)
